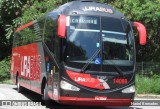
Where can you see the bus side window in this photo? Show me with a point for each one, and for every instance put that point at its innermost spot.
(56, 41)
(24, 37)
(50, 36)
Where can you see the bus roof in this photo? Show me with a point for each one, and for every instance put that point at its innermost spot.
(88, 7)
(82, 7)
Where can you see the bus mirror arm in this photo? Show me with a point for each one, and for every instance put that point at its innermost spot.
(142, 32)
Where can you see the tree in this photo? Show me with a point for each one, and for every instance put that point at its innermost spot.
(146, 12)
(8, 12)
(18, 12)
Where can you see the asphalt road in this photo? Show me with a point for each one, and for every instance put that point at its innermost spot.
(9, 95)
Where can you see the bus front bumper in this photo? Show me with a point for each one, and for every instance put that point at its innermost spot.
(97, 101)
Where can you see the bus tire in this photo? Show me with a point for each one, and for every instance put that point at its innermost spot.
(45, 98)
(19, 87)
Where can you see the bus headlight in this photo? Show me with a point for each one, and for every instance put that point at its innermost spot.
(67, 86)
(130, 89)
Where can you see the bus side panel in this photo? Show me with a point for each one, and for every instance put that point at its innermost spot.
(40, 68)
(26, 63)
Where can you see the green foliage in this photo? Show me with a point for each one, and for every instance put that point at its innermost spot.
(149, 69)
(147, 12)
(145, 85)
(29, 11)
(5, 69)
(14, 13)
(9, 10)
(7, 81)
(33, 10)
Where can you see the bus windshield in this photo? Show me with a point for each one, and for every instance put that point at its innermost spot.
(98, 43)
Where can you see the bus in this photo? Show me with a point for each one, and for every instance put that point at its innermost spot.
(82, 53)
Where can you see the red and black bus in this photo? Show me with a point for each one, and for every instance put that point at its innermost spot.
(81, 53)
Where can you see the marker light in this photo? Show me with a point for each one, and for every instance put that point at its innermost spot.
(130, 89)
(67, 86)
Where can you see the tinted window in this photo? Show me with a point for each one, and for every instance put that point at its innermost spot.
(25, 36)
(50, 36)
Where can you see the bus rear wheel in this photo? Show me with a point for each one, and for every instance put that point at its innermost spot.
(19, 87)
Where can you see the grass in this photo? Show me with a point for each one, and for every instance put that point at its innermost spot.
(6, 82)
(147, 85)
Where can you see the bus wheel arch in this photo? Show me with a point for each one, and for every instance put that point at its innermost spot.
(43, 84)
(44, 90)
(16, 77)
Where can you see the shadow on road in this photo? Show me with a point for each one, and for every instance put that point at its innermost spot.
(30, 95)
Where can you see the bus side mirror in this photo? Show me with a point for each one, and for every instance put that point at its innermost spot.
(142, 32)
(62, 26)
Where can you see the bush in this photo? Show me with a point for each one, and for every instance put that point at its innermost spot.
(5, 69)
(146, 85)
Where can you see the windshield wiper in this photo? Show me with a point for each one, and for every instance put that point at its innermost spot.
(114, 66)
(90, 60)
(93, 56)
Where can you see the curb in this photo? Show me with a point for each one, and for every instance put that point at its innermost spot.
(149, 96)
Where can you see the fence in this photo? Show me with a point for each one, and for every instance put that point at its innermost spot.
(148, 68)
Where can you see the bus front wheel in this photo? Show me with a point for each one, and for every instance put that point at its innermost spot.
(45, 97)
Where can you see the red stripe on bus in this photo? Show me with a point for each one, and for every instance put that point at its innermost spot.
(108, 99)
(93, 102)
(24, 26)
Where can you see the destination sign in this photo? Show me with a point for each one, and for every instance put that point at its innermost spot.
(84, 20)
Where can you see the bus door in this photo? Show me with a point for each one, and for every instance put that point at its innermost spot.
(52, 55)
